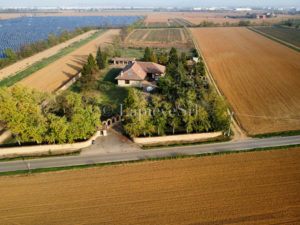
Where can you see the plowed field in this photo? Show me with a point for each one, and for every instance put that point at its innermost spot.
(59, 72)
(245, 188)
(259, 77)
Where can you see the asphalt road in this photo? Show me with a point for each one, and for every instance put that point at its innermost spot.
(143, 154)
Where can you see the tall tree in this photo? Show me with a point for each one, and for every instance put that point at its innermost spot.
(173, 56)
(147, 55)
(101, 59)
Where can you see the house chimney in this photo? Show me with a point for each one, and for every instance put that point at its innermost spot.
(122, 73)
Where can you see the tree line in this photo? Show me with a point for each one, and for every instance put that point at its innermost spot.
(184, 102)
(30, 49)
(34, 116)
(90, 70)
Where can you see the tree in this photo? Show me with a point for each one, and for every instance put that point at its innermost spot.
(10, 54)
(147, 54)
(21, 113)
(101, 59)
(88, 80)
(173, 57)
(163, 59)
(91, 62)
(65, 118)
(159, 119)
(52, 40)
(137, 121)
(154, 58)
(220, 119)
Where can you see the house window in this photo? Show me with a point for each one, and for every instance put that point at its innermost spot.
(127, 82)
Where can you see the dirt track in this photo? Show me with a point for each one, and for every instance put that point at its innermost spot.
(259, 77)
(57, 73)
(245, 188)
(23, 64)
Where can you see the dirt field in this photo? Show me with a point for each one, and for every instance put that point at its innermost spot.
(57, 73)
(259, 77)
(246, 188)
(23, 64)
(163, 37)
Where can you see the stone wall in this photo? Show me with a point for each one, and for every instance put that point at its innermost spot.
(10, 152)
(177, 139)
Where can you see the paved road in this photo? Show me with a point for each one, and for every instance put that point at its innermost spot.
(142, 154)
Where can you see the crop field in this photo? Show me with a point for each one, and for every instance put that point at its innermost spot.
(246, 188)
(164, 37)
(158, 24)
(59, 72)
(259, 77)
(16, 32)
(290, 35)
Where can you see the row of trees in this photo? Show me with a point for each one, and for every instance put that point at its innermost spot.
(164, 58)
(34, 116)
(184, 102)
(240, 23)
(90, 70)
(30, 49)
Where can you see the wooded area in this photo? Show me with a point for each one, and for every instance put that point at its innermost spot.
(34, 116)
(183, 102)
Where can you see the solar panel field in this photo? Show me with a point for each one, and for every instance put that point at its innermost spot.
(16, 32)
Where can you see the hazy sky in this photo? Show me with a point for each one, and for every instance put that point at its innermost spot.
(143, 3)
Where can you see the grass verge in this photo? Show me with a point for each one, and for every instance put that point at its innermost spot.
(281, 134)
(49, 154)
(9, 81)
(187, 144)
(141, 160)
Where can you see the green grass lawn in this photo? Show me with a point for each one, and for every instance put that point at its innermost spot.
(137, 53)
(111, 96)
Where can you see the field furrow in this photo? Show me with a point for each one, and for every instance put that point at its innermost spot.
(245, 188)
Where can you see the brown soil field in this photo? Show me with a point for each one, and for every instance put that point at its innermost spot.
(59, 72)
(216, 17)
(245, 188)
(23, 64)
(259, 77)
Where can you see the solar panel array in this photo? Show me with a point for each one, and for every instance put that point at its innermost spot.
(18, 31)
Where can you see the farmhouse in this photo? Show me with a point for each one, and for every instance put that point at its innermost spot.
(138, 73)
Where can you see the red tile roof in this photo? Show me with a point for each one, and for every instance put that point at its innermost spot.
(139, 70)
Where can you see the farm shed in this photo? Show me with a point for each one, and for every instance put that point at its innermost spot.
(122, 61)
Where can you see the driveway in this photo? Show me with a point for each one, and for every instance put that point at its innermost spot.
(114, 142)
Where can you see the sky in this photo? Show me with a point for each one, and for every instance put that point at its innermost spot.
(149, 3)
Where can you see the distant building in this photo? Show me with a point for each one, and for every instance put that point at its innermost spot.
(243, 9)
(136, 73)
(261, 16)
